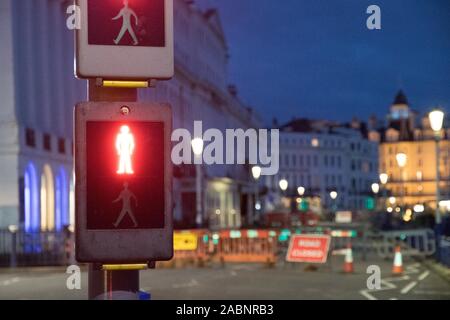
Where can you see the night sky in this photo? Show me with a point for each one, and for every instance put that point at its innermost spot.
(317, 59)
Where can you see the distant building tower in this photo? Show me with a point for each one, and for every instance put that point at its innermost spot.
(401, 117)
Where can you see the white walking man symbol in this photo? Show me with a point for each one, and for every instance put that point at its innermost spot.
(126, 12)
(125, 147)
(126, 195)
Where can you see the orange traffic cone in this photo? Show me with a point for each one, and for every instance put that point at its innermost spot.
(397, 268)
(348, 262)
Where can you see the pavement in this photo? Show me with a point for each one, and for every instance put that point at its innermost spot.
(246, 281)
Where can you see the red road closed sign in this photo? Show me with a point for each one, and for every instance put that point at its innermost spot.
(310, 248)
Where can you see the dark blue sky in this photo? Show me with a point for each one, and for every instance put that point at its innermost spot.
(315, 58)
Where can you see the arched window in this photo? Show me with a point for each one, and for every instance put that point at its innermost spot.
(61, 200)
(72, 201)
(47, 200)
(31, 198)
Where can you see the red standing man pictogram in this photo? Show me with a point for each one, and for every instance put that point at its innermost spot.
(125, 148)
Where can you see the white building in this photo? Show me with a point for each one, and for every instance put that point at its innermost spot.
(322, 157)
(38, 92)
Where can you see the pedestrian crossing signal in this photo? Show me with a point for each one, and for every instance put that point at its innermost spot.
(125, 40)
(125, 175)
(123, 182)
(126, 23)
(125, 147)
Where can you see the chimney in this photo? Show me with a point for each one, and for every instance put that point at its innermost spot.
(274, 123)
(232, 90)
(355, 124)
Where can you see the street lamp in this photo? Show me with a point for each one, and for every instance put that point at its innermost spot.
(256, 172)
(301, 191)
(402, 158)
(384, 178)
(333, 196)
(375, 188)
(436, 118)
(283, 184)
(392, 200)
(197, 148)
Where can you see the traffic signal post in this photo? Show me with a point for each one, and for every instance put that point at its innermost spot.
(105, 283)
(123, 188)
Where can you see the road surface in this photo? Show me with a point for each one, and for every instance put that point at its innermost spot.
(244, 281)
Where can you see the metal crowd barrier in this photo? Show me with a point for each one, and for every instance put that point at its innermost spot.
(414, 243)
(20, 248)
(246, 246)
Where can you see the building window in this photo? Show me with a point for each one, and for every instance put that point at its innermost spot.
(30, 138)
(61, 146)
(47, 142)
(325, 161)
(315, 160)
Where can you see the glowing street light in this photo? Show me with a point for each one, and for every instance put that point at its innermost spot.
(384, 178)
(333, 195)
(197, 146)
(301, 191)
(283, 184)
(401, 158)
(375, 188)
(436, 118)
(256, 172)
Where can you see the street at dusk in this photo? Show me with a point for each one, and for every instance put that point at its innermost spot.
(246, 153)
(243, 282)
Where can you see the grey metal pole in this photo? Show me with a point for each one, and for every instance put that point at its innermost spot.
(256, 202)
(438, 178)
(105, 284)
(198, 194)
(402, 195)
(13, 262)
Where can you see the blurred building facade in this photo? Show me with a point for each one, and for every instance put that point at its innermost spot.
(324, 156)
(38, 93)
(406, 132)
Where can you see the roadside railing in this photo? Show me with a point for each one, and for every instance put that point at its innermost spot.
(414, 243)
(445, 251)
(19, 248)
